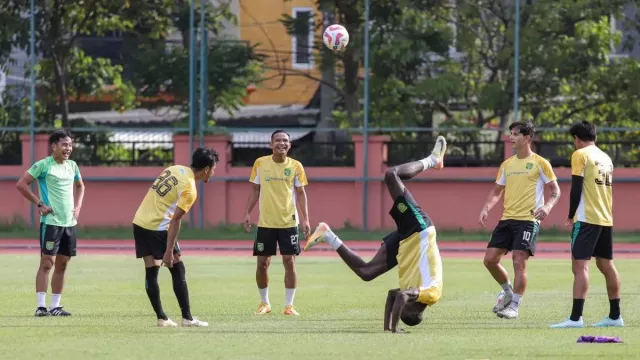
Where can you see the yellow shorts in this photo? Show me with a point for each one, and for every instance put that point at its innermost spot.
(431, 295)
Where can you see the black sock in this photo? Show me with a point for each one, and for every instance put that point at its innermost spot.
(576, 311)
(153, 291)
(180, 289)
(614, 309)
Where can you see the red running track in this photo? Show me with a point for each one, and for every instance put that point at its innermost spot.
(244, 248)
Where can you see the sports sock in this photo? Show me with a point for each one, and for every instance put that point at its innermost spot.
(289, 295)
(153, 291)
(429, 162)
(333, 240)
(507, 287)
(614, 309)
(55, 300)
(264, 295)
(178, 272)
(515, 303)
(41, 298)
(576, 310)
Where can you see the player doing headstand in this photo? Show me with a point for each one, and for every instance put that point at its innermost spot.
(412, 247)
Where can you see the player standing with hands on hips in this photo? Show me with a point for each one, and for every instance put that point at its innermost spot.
(523, 178)
(278, 183)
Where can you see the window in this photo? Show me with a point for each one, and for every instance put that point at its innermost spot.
(303, 38)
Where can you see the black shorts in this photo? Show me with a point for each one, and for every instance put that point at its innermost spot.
(515, 235)
(57, 240)
(268, 240)
(152, 243)
(409, 219)
(589, 240)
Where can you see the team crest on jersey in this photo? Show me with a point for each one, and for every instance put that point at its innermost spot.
(529, 166)
(49, 245)
(402, 207)
(287, 172)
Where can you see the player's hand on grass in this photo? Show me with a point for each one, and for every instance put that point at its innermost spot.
(484, 215)
(167, 259)
(542, 212)
(76, 213)
(247, 223)
(45, 210)
(400, 331)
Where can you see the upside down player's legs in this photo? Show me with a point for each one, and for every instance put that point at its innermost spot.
(367, 271)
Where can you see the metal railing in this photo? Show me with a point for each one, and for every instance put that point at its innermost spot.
(314, 154)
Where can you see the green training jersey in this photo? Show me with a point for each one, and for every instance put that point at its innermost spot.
(56, 189)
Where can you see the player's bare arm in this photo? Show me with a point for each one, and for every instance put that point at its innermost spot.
(251, 203)
(301, 199)
(400, 300)
(391, 296)
(172, 236)
(544, 211)
(79, 198)
(23, 185)
(492, 200)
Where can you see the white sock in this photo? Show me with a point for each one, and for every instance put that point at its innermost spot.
(55, 300)
(333, 239)
(264, 295)
(507, 287)
(41, 297)
(429, 162)
(515, 303)
(289, 294)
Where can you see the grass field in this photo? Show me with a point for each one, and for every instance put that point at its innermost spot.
(341, 316)
(236, 232)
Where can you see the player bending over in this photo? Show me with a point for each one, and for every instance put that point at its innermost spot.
(412, 247)
(156, 226)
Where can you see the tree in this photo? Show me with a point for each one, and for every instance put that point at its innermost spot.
(409, 45)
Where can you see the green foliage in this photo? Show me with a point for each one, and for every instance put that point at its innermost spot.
(232, 67)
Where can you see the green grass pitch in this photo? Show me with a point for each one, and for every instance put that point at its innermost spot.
(341, 316)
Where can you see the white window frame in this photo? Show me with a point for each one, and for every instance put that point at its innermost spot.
(294, 43)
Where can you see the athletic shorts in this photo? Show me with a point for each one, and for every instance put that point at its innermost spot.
(589, 240)
(57, 240)
(409, 219)
(268, 240)
(152, 243)
(515, 235)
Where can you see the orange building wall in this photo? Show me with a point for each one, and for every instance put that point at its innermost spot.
(452, 196)
(259, 25)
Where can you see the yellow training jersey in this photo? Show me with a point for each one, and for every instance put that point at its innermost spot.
(524, 181)
(175, 187)
(420, 265)
(277, 182)
(596, 201)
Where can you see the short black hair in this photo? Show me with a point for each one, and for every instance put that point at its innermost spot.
(55, 137)
(203, 157)
(526, 128)
(584, 131)
(411, 320)
(279, 131)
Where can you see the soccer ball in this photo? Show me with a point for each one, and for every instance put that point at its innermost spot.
(336, 37)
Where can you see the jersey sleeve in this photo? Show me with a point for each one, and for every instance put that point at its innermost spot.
(76, 171)
(578, 163)
(546, 171)
(501, 179)
(187, 197)
(301, 177)
(37, 169)
(255, 173)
